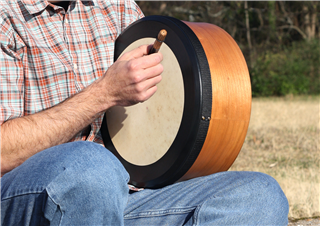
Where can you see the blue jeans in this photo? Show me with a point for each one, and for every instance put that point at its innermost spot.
(82, 183)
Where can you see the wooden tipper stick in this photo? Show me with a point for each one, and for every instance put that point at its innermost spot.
(157, 43)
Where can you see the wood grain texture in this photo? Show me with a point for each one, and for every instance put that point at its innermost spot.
(231, 101)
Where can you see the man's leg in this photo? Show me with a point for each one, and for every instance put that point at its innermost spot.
(227, 198)
(78, 183)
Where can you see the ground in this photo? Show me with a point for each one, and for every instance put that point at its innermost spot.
(305, 222)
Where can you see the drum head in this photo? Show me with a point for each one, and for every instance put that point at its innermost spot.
(158, 141)
(150, 119)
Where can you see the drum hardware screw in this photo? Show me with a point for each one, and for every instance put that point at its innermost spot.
(206, 119)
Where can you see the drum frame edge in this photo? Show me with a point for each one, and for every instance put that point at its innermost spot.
(204, 112)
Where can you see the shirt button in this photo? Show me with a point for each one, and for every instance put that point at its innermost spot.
(75, 66)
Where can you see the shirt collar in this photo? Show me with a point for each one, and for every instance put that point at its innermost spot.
(35, 6)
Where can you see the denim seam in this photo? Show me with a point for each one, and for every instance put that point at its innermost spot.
(197, 210)
(159, 213)
(22, 194)
(62, 213)
(127, 216)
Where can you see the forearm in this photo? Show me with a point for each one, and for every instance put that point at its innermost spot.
(130, 80)
(25, 136)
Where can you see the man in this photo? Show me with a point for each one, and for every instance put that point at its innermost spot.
(57, 80)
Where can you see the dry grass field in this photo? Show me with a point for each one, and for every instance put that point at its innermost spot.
(283, 141)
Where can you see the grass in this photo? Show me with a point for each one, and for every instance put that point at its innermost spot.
(283, 141)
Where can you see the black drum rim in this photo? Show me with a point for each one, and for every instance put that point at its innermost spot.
(198, 102)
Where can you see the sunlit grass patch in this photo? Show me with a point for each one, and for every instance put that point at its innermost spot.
(283, 141)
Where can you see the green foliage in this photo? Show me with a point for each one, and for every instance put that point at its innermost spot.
(282, 49)
(293, 70)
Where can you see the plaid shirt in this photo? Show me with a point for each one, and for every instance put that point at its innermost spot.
(48, 55)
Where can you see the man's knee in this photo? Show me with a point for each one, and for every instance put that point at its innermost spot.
(90, 162)
(95, 181)
(252, 198)
(269, 199)
(80, 178)
(86, 161)
(85, 155)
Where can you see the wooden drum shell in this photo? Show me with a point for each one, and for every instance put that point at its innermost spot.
(231, 101)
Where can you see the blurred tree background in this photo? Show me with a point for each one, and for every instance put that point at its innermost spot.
(279, 39)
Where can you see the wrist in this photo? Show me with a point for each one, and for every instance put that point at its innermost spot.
(96, 96)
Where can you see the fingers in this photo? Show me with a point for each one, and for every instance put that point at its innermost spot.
(150, 60)
(138, 74)
(145, 89)
(136, 53)
(150, 92)
(148, 83)
(144, 81)
(140, 58)
(144, 63)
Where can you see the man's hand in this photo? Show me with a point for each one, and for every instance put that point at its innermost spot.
(131, 79)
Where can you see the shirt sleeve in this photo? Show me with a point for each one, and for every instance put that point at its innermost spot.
(11, 71)
(130, 13)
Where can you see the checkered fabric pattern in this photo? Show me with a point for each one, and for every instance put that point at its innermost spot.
(48, 55)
